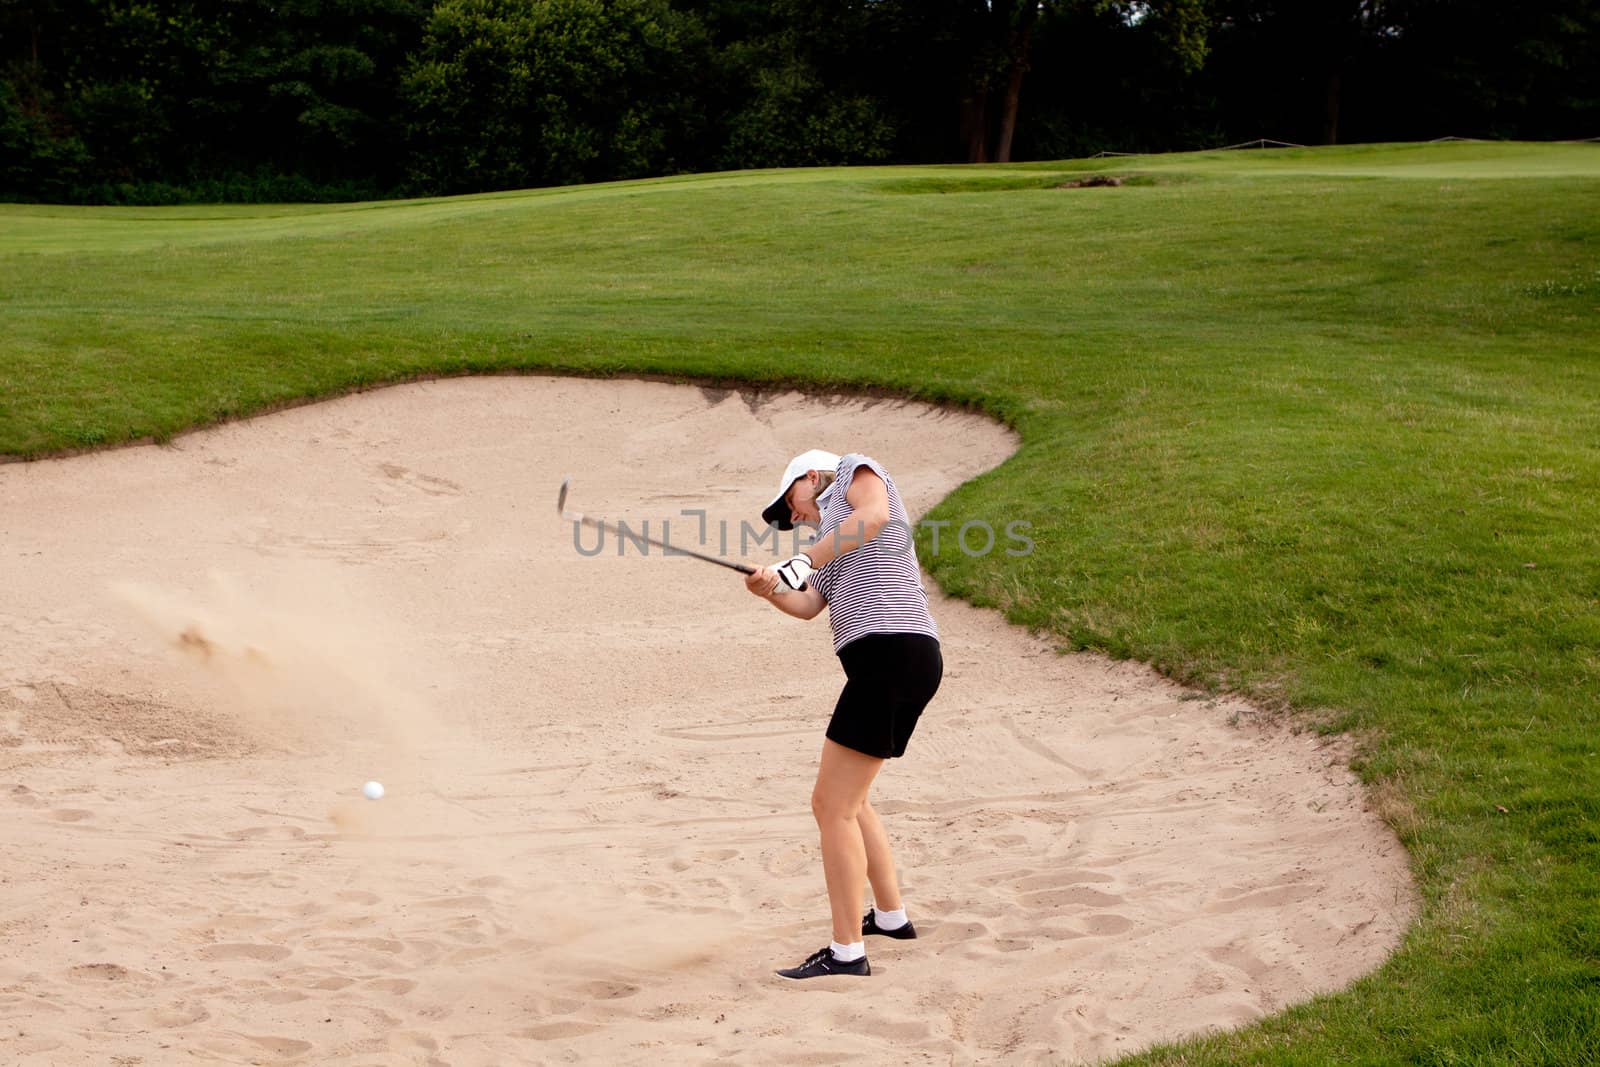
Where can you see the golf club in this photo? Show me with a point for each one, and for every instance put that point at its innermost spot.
(601, 524)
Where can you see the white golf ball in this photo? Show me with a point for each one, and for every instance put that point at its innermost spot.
(372, 790)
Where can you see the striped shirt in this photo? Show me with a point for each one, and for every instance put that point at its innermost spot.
(876, 588)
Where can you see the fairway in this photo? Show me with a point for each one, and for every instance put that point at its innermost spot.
(1312, 427)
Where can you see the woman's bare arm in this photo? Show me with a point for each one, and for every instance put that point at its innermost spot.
(802, 603)
(869, 507)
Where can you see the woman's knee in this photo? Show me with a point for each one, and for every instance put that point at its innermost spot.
(829, 805)
(843, 781)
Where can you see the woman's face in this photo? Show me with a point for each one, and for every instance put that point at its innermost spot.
(802, 497)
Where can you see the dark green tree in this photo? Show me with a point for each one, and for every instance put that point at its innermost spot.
(1473, 68)
(40, 152)
(311, 86)
(1100, 80)
(510, 93)
(1290, 67)
(1368, 70)
(160, 100)
(796, 81)
(124, 77)
(972, 57)
(146, 98)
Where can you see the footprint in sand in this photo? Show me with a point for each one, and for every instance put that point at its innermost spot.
(606, 990)
(1269, 897)
(374, 950)
(279, 833)
(562, 1031)
(425, 483)
(739, 729)
(397, 986)
(240, 950)
(788, 862)
(101, 972)
(357, 896)
(1107, 924)
(1062, 878)
(172, 1017)
(236, 923)
(376, 1017)
(907, 1033)
(71, 815)
(468, 955)
(955, 931)
(283, 1047)
(473, 901)
(1077, 896)
(21, 794)
(555, 1005)
(1240, 958)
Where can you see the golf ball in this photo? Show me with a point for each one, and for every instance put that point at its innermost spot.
(372, 790)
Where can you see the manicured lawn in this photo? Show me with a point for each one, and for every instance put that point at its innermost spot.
(1322, 426)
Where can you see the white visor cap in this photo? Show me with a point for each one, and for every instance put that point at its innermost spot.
(777, 513)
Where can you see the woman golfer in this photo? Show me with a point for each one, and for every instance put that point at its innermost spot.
(862, 566)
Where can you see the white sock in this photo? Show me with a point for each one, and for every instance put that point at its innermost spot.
(889, 920)
(848, 953)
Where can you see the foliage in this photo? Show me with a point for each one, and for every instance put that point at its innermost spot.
(1486, 69)
(509, 93)
(316, 82)
(35, 152)
(798, 85)
(130, 99)
(1372, 70)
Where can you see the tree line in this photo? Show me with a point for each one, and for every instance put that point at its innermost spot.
(150, 101)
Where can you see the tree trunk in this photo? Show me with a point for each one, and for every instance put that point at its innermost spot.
(1332, 90)
(1008, 117)
(975, 126)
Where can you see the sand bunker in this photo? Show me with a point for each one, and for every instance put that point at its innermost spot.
(596, 843)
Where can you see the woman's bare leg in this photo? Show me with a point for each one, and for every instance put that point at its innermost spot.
(880, 860)
(843, 779)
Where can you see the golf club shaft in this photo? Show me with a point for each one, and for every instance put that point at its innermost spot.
(601, 524)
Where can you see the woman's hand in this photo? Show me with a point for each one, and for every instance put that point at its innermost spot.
(763, 582)
(793, 573)
(802, 604)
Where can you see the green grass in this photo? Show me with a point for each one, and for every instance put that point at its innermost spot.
(1321, 426)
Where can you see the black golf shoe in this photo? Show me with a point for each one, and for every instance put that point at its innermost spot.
(821, 964)
(869, 925)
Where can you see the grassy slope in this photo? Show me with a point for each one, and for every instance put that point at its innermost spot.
(1320, 425)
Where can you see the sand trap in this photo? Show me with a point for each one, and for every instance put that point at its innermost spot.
(596, 844)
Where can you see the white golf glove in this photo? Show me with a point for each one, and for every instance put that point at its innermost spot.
(793, 573)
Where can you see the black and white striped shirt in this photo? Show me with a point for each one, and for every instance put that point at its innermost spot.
(876, 588)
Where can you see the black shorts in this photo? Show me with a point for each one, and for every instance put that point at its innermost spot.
(891, 679)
